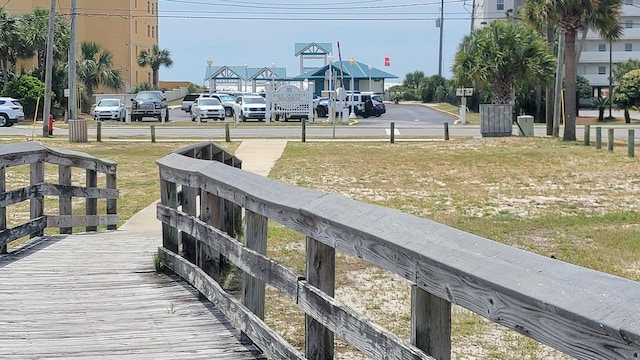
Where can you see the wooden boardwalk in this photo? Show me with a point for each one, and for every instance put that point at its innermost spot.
(97, 295)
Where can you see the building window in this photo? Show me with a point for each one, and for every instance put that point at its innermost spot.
(602, 47)
(602, 70)
(500, 5)
(148, 78)
(153, 8)
(628, 24)
(148, 7)
(148, 30)
(153, 32)
(628, 47)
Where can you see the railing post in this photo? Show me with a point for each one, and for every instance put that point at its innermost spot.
(304, 130)
(430, 324)
(189, 206)
(153, 133)
(3, 210)
(227, 133)
(321, 264)
(210, 209)
(631, 143)
(598, 138)
(393, 130)
(610, 140)
(36, 203)
(587, 134)
(91, 203)
(446, 131)
(112, 204)
(99, 131)
(64, 199)
(253, 290)
(169, 197)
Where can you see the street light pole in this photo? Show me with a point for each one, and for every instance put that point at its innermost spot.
(246, 75)
(370, 68)
(352, 115)
(209, 63)
(330, 107)
(273, 75)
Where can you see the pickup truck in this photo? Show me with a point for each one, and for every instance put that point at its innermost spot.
(149, 104)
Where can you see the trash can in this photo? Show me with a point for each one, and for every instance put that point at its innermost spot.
(525, 125)
(78, 130)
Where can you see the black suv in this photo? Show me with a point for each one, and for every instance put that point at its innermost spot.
(149, 104)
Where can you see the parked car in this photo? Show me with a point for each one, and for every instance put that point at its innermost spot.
(11, 111)
(227, 101)
(250, 107)
(149, 104)
(110, 109)
(207, 108)
(187, 101)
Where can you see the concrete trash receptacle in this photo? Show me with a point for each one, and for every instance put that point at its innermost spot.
(525, 125)
(78, 130)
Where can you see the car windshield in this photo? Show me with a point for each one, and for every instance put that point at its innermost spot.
(227, 98)
(109, 103)
(209, 101)
(254, 100)
(150, 95)
(377, 98)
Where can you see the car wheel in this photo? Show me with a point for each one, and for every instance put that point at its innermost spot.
(242, 117)
(321, 112)
(167, 117)
(228, 112)
(378, 115)
(9, 124)
(123, 118)
(159, 117)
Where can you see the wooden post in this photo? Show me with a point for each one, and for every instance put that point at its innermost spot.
(430, 324)
(598, 138)
(446, 131)
(169, 197)
(304, 130)
(112, 204)
(92, 203)
(210, 209)
(253, 290)
(393, 130)
(189, 206)
(631, 143)
(321, 265)
(610, 140)
(3, 210)
(64, 200)
(227, 134)
(153, 133)
(36, 203)
(587, 134)
(99, 132)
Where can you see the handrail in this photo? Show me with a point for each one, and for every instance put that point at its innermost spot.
(36, 156)
(582, 312)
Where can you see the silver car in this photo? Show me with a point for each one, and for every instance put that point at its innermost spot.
(110, 109)
(250, 107)
(207, 108)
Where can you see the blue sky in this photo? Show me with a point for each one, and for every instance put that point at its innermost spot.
(259, 33)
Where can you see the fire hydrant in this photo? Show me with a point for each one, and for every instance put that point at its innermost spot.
(51, 120)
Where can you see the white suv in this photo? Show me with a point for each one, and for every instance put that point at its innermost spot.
(10, 111)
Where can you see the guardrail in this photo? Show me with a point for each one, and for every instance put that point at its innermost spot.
(36, 156)
(584, 313)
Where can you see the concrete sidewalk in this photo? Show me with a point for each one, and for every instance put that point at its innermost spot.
(258, 156)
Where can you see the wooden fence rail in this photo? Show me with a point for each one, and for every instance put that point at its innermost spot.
(584, 313)
(36, 156)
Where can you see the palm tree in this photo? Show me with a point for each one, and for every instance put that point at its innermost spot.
(94, 68)
(570, 16)
(154, 58)
(8, 39)
(34, 28)
(624, 67)
(500, 56)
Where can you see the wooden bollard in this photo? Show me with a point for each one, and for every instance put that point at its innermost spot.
(227, 134)
(304, 130)
(598, 138)
(587, 134)
(631, 143)
(610, 140)
(393, 130)
(446, 131)
(153, 133)
(99, 132)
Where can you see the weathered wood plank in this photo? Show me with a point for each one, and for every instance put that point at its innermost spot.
(79, 191)
(321, 273)
(91, 208)
(3, 209)
(112, 204)
(34, 226)
(210, 209)
(21, 154)
(69, 221)
(243, 319)
(255, 235)
(247, 260)
(36, 203)
(430, 324)
(103, 299)
(60, 156)
(188, 202)
(64, 200)
(19, 195)
(371, 339)
(168, 197)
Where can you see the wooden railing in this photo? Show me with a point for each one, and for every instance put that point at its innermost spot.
(584, 313)
(36, 156)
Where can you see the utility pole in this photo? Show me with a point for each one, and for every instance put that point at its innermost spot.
(473, 14)
(73, 80)
(48, 71)
(441, 24)
(557, 110)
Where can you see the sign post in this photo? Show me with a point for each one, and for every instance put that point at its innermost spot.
(463, 93)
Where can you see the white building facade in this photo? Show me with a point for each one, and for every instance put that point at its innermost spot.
(594, 64)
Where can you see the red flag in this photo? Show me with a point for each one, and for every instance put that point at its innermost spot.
(387, 61)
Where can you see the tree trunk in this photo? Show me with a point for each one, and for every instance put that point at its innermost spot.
(155, 79)
(627, 118)
(5, 75)
(601, 114)
(549, 91)
(570, 86)
(538, 114)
